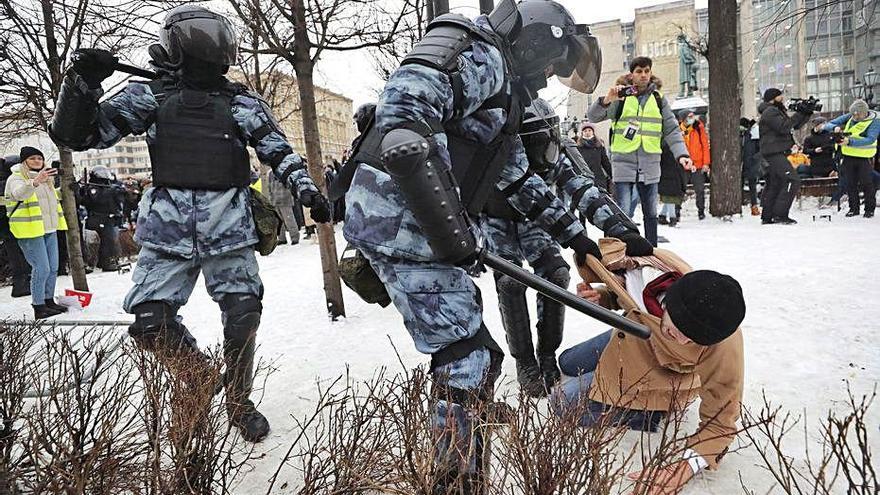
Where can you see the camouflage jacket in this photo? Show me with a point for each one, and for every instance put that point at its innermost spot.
(186, 222)
(376, 213)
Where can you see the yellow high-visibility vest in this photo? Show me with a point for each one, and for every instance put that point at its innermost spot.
(648, 130)
(857, 130)
(26, 221)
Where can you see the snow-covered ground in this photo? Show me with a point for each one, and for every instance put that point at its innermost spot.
(811, 325)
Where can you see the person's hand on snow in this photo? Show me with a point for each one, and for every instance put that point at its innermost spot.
(667, 480)
(586, 291)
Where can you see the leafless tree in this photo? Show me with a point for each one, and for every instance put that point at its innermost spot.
(300, 32)
(36, 40)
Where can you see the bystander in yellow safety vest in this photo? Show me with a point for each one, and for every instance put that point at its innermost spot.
(857, 130)
(26, 219)
(638, 126)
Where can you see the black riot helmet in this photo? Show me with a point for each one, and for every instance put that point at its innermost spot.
(545, 40)
(100, 173)
(540, 135)
(197, 33)
(363, 115)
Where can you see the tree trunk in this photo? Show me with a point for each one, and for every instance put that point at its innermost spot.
(68, 204)
(304, 67)
(68, 181)
(724, 109)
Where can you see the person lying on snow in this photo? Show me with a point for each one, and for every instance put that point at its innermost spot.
(695, 350)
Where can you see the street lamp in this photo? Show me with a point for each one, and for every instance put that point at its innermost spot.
(871, 79)
(857, 91)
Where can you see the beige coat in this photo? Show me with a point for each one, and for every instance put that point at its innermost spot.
(660, 374)
(20, 189)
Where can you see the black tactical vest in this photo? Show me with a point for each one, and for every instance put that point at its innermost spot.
(197, 144)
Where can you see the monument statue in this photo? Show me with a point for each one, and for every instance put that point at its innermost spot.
(687, 67)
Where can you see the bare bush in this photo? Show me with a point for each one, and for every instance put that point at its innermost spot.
(93, 416)
(843, 460)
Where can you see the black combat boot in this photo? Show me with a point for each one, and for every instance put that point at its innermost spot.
(242, 317)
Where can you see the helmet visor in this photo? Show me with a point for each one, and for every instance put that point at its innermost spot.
(203, 35)
(583, 63)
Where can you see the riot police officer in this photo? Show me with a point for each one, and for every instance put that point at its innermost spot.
(103, 197)
(196, 217)
(444, 137)
(509, 234)
(19, 269)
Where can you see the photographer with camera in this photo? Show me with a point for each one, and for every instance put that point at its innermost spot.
(860, 129)
(641, 119)
(775, 127)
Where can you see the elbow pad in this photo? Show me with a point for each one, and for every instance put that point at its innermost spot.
(430, 192)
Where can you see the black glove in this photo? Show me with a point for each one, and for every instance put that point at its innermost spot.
(582, 246)
(319, 208)
(94, 65)
(636, 245)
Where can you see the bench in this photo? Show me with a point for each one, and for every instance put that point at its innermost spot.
(816, 187)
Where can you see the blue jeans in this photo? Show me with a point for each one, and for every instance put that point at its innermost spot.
(668, 210)
(623, 192)
(581, 362)
(42, 254)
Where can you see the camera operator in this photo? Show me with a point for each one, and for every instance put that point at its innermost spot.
(858, 148)
(103, 197)
(775, 127)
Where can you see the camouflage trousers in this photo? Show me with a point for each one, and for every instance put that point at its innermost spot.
(169, 278)
(441, 305)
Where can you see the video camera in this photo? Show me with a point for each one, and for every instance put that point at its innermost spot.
(802, 105)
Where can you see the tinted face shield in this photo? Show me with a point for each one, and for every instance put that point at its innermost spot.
(541, 141)
(583, 62)
(202, 35)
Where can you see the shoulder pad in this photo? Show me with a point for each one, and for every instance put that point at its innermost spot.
(446, 37)
(569, 149)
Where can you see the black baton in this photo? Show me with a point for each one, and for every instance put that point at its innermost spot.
(563, 296)
(135, 71)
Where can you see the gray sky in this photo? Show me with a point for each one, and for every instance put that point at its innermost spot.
(352, 73)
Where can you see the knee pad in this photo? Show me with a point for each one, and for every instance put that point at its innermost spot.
(241, 314)
(150, 317)
(508, 287)
(560, 276)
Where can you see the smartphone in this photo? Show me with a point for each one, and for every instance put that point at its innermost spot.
(627, 91)
(55, 164)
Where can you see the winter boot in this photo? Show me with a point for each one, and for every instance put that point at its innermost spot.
(869, 214)
(662, 220)
(701, 215)
(51, 304)
(755, 210)
(673, 221)
(21, 286)
(852, 213)
(41, 312)
(242, 316)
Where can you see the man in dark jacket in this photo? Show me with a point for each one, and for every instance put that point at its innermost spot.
(775, 128)
(672, 188)
(820, 147)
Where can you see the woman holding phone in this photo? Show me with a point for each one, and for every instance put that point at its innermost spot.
(35, 216)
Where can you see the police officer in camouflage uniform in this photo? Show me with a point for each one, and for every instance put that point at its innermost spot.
(196, 217)
(444, 137)
(512, 236)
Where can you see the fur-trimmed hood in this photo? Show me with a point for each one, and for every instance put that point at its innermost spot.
(626, 80)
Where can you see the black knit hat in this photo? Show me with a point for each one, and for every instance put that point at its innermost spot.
(29, 151)
(706, 306)
(771, 93)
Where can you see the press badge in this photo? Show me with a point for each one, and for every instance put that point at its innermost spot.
(631, 130)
